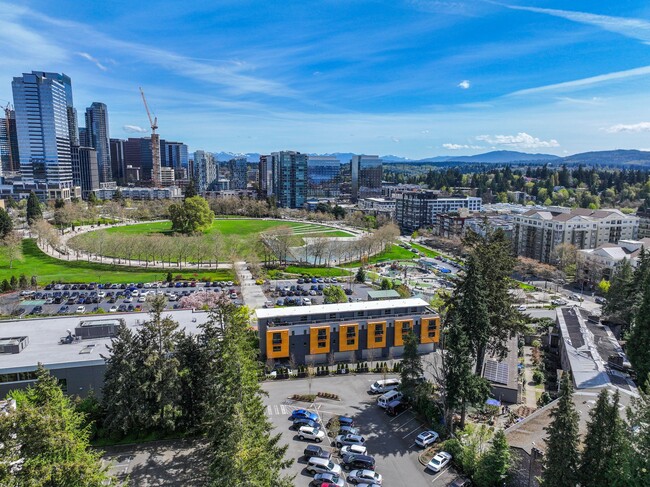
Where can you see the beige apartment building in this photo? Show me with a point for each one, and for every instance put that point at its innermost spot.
(538, 232)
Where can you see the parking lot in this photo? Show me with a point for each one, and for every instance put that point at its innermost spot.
(116, 298)
(390, 440)
(298, 292)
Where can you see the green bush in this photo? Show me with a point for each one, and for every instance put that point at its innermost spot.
(538, 377)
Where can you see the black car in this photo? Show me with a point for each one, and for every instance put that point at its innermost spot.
(354, 461)
(343, 421)
(298, 422)
(316, 451)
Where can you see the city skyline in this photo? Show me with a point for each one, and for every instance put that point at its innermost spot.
(413, 78)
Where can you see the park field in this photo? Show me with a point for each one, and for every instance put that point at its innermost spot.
(35, 262)
(241, 227)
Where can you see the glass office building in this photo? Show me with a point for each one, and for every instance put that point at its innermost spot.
(290, 178)
(366, 176)
(323, 177)
(99, 139)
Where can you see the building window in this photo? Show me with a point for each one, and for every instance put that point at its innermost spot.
(388, 311)
(360, 313)
(277, 348)
(379, 333)
(350, 336)
(277, 338)
(322, 338)
(431, 329)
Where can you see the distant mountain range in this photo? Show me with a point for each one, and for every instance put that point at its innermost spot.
(604, 158)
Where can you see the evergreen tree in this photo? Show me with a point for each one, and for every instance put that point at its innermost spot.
(606, 447)
(6, 225)
(22, 281)
(243, 450)
(361, 275)
(169, 277)
(34, 211)
(34, 282)
(117, 196)
(562, 457)
(638, 344)
(5, 286)
(493, 466)
(190, 189)
(13, 282)
(412, 369)
(638, 463)
(618, 296)
(92, 199)
(193, 363)
(48, 438)
(121, 396)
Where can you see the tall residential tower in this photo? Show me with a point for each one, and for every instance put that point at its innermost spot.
(99, 139)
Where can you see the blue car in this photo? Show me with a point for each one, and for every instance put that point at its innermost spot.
(303, 413)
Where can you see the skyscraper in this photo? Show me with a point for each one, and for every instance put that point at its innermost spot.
(206, 170)
(118, 167)
(323, 176)
(366, 176)
(98, 138)
(238, 172)
(265, 177)
(173, 154)
(9, 155)
(290, 178)
(89, 170)
(41, 101)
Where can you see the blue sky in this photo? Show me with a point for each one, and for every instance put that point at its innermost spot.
(415, 78)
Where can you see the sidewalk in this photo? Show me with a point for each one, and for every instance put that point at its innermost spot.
(251, 293)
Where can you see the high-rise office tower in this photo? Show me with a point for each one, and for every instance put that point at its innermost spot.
(173, 154)
(323, 177)
(290, 178)
(206, 170)
(9, 154)
(98, 138)
(265, 177)
(89, 170)
(41, 102)
(117, 159)
(366, 176)
(83, 137)
(238, 172)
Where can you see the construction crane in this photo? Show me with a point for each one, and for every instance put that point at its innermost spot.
(155, 145)
(8, 132)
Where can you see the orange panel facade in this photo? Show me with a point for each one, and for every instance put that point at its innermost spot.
(430, 330)
(319, 340)
(348, 338)
(277, 344)
(377, 334)
(402, 328)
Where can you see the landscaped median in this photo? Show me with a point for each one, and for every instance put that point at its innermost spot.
(34, 262)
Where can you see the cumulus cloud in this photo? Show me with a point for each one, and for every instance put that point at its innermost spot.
(465, 84)
(520, 141)
(93, 60)
(461, 146)
(132, 129)
(635, 128)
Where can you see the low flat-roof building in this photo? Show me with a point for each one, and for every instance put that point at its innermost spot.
(70, 347)
(366, 330)
(383, 294)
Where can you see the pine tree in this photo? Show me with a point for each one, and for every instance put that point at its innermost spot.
(412, 368)
(46, 436)
(618, 297)
(190, 189)
(493, 466)
(361, 275)
(243, 450)
(13, 282)
(22, 281)
(34, 211)
(6, 225)
(606, 447)
(638, 344)
(638, 462)
(562, 458)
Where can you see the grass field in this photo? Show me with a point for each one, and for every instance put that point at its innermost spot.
(48, 269)
(425, 251)
(243, 228)
(395, 252)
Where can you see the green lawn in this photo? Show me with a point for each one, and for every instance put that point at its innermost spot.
(425, 251)
(395, 252)
(241, 227)
(47, 269)
(309, 271)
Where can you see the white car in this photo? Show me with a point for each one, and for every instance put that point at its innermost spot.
(135, 293)
(309, 433)
(356, 449)
(113, 309)
(364, 476)
(101, 294)
(522, 308)
(81, 309)
(426, 438)
(142, 299)
(342, 440)
(440, 461)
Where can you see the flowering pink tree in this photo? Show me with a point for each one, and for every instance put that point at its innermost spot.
(200, 300)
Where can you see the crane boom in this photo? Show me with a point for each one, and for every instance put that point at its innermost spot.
(154, 121)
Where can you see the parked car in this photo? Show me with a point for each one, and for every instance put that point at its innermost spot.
(348, 430)
(81, 309)
(461, 482)
(600, 300)
(426, 438)
(354, 461)
(367, 476)
(439, 461)
(343, 440)
(343, 421)
(316, 451)
(309, 433)
(327, 479)
(299, 422)
(322, 465)
(303, 413)
(358, 449)
(113, 309)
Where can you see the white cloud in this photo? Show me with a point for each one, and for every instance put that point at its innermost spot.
(93, 60)
(132, 129)
(395, 139)
(465, 84)
(628, 27)
(461, 146)
(634, 128)
(520, 141)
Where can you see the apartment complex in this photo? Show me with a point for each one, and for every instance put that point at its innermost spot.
(99, 138)
(602, 262)
(538, 232)
(290, 178)
(346, 332)
(419, 209)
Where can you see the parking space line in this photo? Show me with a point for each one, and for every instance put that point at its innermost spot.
(398, 415)
(409, 434)
(409, 421)
(269, 410)
(439, 474)
(283, 408)
(276, 409)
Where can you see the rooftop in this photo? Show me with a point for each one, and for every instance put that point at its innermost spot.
(340, 308)
(45, 335)
(383, 294)
(585, 214)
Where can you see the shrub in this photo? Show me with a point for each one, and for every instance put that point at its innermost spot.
(538, 377)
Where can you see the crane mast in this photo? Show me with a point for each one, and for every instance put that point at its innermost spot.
(155, 145)
(10, 151)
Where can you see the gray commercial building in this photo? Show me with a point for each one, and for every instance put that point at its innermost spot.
(366, 176)
(99, 138)
(419, 209)
(76, 362)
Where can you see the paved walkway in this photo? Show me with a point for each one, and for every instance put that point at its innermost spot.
(251, 293)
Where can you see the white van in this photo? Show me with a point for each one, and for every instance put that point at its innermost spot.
(389, 397)
(383, 386)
